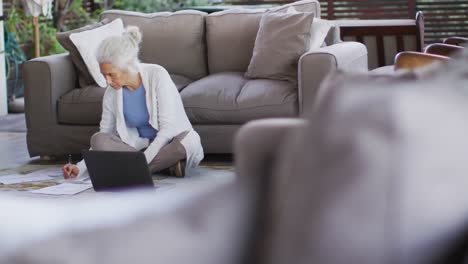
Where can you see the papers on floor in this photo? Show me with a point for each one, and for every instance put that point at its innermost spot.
(80, 180)
(64, 189)
(22, 178)
(49, 174)
(52, 172)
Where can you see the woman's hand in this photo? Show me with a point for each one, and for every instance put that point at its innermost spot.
(70, 171)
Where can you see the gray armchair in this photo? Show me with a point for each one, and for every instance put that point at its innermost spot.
(375, 174)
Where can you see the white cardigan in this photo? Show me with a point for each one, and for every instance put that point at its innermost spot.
(166, 115)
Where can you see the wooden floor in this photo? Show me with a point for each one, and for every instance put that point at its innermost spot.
(13, 150)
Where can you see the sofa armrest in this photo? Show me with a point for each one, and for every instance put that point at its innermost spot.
(316, 64)
(256, 144)
(45, 80)
(189, 225)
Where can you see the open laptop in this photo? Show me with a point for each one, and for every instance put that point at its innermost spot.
(117, 170)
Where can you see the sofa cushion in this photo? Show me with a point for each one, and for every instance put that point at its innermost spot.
(229, 98)
(180, 81)
(230, 39)
(230, 35)
(281, 39)
(81, 106)
(63, 38)
(84, 106)
(175, 41)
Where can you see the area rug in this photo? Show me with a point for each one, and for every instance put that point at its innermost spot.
(13, 123)
(202, 175)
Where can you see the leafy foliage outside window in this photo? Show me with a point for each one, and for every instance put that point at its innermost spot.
(20, 25)
(49, 43)
(14, 57)
(70, 14)
(149, 6)
(17, 23)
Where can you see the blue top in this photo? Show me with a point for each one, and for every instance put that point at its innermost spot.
(136, 112)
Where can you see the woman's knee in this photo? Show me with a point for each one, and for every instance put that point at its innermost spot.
(181, 136)
(98, 140)
(109, 142)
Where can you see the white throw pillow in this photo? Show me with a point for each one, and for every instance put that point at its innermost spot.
(87, 42)
(318, 32)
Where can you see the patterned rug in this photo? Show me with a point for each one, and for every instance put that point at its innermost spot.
(204, 174)
(14, 159)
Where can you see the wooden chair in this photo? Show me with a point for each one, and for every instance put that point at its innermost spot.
(457, 41)
(434, 52)
(443, 49)
(411, 60)
(384, 38)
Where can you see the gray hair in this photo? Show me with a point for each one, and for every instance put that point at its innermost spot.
(121, 51)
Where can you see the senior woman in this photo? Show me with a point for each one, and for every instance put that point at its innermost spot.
(141, 111)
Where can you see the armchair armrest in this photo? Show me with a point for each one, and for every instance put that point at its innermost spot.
(45, 80)
(255, 151)
(443, 49)
(256, 144)
(411, 60)
(316, 64)
(459, 41)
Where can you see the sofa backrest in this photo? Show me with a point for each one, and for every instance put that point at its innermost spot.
(371, 179)
(230, 35)
(175, 41)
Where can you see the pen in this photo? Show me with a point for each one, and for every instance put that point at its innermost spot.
(69, 159)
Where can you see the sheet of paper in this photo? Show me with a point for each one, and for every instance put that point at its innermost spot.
(21, 178)
(84, 179)
(52, 172)
(57, 174)
(64, 189)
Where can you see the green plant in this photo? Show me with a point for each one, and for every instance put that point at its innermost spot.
(17, 23)
(49, 43)
(149, 6)
(14, 56)
(20, 26)
(74, 12)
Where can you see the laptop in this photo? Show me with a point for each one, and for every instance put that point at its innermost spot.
(117, 170)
